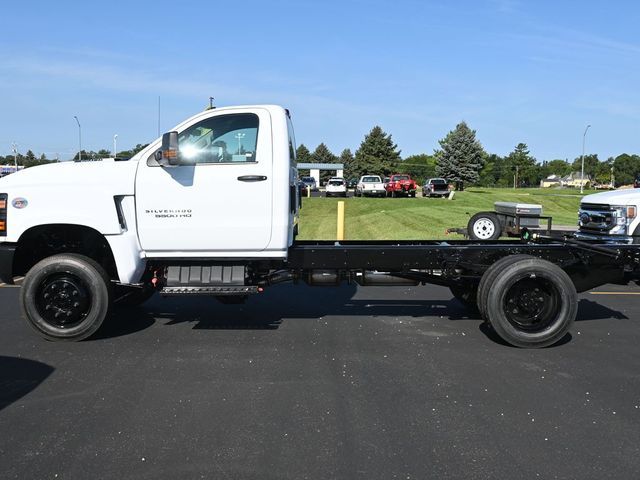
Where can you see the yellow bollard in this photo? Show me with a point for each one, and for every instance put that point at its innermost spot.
(340, 229)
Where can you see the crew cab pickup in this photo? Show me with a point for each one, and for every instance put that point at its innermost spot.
(212, 207)
(401, 185)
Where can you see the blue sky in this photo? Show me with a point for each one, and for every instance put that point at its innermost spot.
(516, 71)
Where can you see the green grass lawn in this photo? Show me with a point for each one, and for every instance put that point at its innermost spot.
(425, 218)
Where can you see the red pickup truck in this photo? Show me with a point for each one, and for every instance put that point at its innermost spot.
(401, 185)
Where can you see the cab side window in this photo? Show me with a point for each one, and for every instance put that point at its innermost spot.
(221, 139)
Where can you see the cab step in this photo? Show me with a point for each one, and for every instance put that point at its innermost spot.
(210, 290)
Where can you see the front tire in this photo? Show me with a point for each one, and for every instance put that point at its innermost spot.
(66, 297)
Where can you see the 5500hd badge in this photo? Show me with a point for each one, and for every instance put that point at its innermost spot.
(170, 213)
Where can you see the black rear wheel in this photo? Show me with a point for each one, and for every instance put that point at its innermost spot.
(489, 277)
(532, 303)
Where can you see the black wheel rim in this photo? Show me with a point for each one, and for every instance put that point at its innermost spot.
(63, 300)
(531, 304)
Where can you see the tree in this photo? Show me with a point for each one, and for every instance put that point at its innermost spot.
(420, 167)
(492, 172)
(347, 159)
(303, 155)
(461, 156)
(130, 153)
(604, 171)
(626, 168)
(377, 154)
(523, 165)
(590, 165)
(557, 167)
(322, 154)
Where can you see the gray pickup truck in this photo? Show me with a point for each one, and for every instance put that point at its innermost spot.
(435, 187)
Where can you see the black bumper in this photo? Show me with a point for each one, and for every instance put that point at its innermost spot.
(7, 251)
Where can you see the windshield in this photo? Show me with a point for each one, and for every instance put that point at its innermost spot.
(336, 182)
(397, 178)
(438, 181)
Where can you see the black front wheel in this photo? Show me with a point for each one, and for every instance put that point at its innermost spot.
(66, 297)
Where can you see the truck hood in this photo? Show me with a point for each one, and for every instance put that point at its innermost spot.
(118, 177)
(629, 196)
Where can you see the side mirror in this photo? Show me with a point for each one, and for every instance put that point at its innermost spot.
(169, 154)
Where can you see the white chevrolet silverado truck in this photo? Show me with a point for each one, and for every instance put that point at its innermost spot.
(212, 207)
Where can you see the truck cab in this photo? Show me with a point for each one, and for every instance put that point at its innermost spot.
(224, 195)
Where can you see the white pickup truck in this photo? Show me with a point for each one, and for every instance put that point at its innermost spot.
(610, 216)
(211, 208)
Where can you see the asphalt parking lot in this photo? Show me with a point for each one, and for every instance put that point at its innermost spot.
(372, 383)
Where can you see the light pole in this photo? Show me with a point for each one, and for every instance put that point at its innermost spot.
(79, 139)
(612, 179)
(14, 148)
(584, 136)
(239, 136)
(115, 143)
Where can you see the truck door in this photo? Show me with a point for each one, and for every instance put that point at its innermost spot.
(221, 201)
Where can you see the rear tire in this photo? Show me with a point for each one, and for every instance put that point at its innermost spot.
(489, 277)
(484, 226)
(532, 303)
(66, 297)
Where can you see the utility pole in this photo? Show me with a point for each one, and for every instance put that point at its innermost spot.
(515, 178)
(14, 148)
(239, 136)
(612, 178)
(584, 136)
(79, 139)
(115, 143)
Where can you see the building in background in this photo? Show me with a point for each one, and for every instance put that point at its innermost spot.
(8, 169)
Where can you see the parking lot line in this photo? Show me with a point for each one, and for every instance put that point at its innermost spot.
(614, 293)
